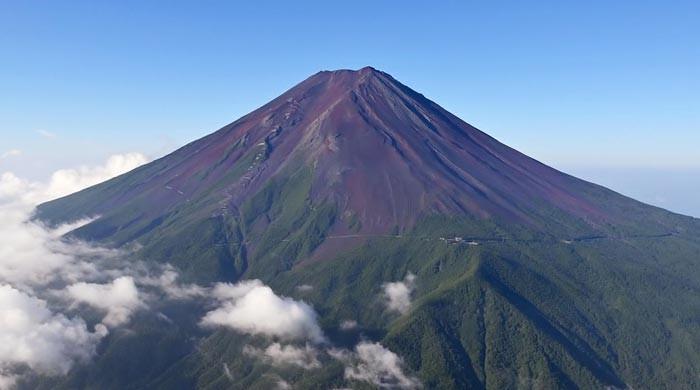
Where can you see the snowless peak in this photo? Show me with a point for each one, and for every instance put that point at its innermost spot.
(383, 154)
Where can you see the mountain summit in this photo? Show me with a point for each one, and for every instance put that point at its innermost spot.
(525, 277)
(381, 155)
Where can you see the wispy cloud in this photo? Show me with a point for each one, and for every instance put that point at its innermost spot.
(10, 153)
(227, 372)
(373, 363)
(283, 385)
(348, 325)
(277, 354)
(167, 282)
(46, 133)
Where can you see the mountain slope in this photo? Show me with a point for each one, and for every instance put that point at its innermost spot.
(350, 180)
(373, 154)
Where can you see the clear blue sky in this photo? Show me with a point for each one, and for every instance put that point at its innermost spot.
(586, 86)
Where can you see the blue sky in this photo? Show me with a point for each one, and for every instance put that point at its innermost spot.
(596, 88)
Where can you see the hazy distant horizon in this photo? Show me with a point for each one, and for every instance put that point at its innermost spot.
(674, 189)
(671, 188)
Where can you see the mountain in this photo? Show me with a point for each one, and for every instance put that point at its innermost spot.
(526, 277)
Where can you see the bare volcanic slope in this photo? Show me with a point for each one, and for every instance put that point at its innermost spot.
(347, 154)
(525, 277)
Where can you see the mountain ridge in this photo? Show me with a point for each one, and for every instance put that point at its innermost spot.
(493, 175)
(526, 277)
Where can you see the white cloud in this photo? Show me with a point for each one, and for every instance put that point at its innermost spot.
(68, 181)
(398, 294)
(33, 257)
(283, 385)
(253, 308)
(371, 362)
(10, 153)
(232, 292)
(348, 325)
(40, 265)
(305, 287)
(16, 191)
(7, 381)
(32, 253)
(167, 283)
(65, 181)
(286, 355)
(119, 299)
(31, 335)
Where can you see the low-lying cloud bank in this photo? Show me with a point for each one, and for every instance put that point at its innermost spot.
(46, 281)
(34, 336)
(66, 181)
(37, 265)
